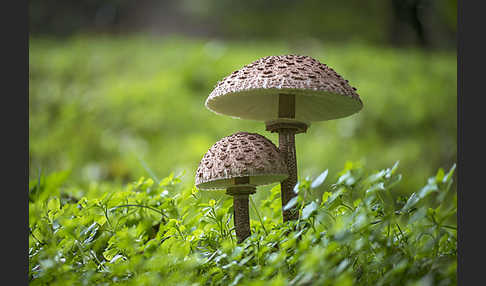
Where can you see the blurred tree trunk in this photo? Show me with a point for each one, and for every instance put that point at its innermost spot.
(408, 22)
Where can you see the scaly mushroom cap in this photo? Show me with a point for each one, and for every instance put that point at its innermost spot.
(240, 155)
(252, 92)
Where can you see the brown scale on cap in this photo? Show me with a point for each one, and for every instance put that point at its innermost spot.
(250, 154)
(273, 72)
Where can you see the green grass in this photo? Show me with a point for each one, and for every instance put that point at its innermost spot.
(350, 232)
(118, 108)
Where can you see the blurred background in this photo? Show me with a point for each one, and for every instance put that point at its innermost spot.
(117, 88)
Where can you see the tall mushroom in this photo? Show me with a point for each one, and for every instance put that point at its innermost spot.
(239, 163)
(287, 93)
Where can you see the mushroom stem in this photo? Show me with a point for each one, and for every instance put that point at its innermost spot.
(241, 217)
(286, 142)
(241, 211)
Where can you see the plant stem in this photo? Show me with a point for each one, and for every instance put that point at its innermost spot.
(140, 206)
(259, 217)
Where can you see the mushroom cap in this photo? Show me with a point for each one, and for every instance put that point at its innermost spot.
(251, 92)
(241, 154)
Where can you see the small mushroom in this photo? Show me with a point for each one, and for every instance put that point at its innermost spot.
(300, 90)
(239, 171)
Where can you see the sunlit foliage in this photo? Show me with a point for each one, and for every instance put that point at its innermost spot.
(350, 232)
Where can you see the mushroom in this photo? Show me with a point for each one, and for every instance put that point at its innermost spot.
(239, 163)
(287, 93)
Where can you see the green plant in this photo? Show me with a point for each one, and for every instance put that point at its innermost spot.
(352, 232)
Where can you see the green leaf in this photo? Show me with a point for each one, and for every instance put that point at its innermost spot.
(448, 177)
(393, 181)
(425, 191)
(394, 168)
(334, 200)
(110, 254)
(167, 180)
(319, 180)
(54, 204)
(237, 279)
(309, 209)
(325, 197)
(376, 187)
(297, 188)
(291, 203)
(412, 201)
(347, 179)
(440, 175)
